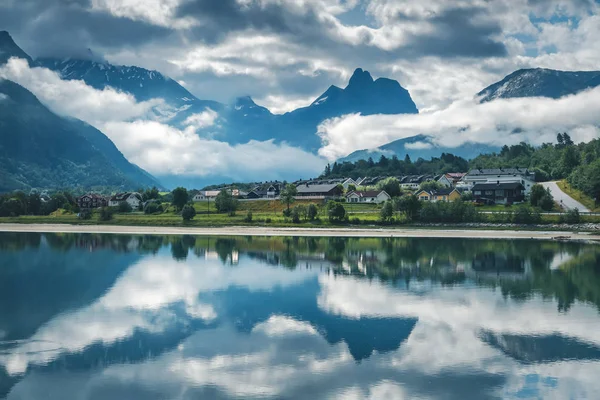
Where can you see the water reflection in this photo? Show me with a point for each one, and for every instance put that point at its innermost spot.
(137, 317)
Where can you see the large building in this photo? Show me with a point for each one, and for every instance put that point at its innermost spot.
(319, 191)
(499, 175)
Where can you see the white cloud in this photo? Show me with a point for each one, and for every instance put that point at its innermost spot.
(159, 148)
(3, 97)
(157, 12)
(74, 98)
(537, 120)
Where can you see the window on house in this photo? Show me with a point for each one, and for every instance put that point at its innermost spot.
(477, 193)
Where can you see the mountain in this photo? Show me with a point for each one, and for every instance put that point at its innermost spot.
(420, 146)
(8, 49)
(243, 120)
(40, 149)
(362, 95)
(540, 82)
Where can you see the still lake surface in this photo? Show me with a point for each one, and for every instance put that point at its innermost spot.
(86, 316)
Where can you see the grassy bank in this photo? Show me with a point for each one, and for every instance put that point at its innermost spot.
(578, 195)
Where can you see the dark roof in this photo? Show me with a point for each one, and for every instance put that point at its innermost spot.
(124, 196)
(500, 171)
(496, 186)
(315, 188)
(93, 196)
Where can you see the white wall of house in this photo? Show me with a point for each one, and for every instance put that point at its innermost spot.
(380, 198)
(470, 181)
(445, 181)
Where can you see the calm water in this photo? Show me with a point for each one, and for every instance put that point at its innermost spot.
(153, 317)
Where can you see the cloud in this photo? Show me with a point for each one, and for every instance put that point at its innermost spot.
(502, 121)
(159, 148)
(74, 98)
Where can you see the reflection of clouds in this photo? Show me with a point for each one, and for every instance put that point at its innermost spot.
(460, 308)
(279, 325)
(140, 300)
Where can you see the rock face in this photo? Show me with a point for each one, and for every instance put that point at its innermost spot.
(541, 82)
(40, 149)
(8, 49)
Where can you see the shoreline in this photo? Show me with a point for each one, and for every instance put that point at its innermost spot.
(306, 232)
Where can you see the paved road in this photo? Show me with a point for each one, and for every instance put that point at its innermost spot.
(567, 202)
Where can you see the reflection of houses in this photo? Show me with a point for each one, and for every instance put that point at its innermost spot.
(500, 265)
(500, 193)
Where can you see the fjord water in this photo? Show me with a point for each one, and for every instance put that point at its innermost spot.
(87, 316)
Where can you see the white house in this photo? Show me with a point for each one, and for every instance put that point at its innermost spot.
(445, 181)
(134, 199)
(498, 176)
(349, 182)
(204, 195)
(371, 196)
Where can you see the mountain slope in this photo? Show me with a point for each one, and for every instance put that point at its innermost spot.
(540, 82)
(8, 49)
(420, 146)
(40, 149)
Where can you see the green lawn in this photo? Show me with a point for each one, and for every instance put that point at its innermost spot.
(578, 195)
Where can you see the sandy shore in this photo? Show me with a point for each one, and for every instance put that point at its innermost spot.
(267, 231)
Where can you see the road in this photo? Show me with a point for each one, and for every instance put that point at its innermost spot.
(559, 195)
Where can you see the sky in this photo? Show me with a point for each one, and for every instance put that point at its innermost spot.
(285, 53)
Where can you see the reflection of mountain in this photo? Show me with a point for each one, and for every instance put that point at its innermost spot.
(39, 284)
(541, 349)
(363, 335)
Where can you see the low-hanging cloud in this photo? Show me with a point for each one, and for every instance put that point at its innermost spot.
(502, 121)
(159, 148)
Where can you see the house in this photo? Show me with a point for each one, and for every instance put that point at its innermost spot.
(444, 194)
(319, 191)
(500, 175)
(445, 181)
(349, 182)
(455, 177)
(91, 200)
(501, 192)
(204, 195)
(370, 196)
(413, 182)
(134, 199)
(265, 191)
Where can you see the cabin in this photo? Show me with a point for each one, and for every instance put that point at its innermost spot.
(444, 194)
(91, 200)
(265, 191)
(134, 199)
(500, 193)
(369, 196)
(500, 175)
(327, 191)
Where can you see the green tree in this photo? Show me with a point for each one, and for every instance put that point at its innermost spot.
(226, 203)
(351, 188)
(312, 212)
(546, 203)
(153, 208)
(537, 193)
(188, 212)
(387, 212)
(106, 214)
(391, 187)
(125, 207)
(34, 203)
(288, 195)
(430, 185)
(180, 198)
(336, 212)
(409, 205)
(248, 217)
(85, 214)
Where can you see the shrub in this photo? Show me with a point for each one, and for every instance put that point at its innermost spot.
(336, 212)
(188, 213)
(572, 216)
(106, 214)
(387, 212)
(153, 208)
(526, 215)
(85, 214)
(248, 217)
(312, 212)
(125, 207)
(296, 215)
(268, 220)
(355, 221)
(287, 212)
